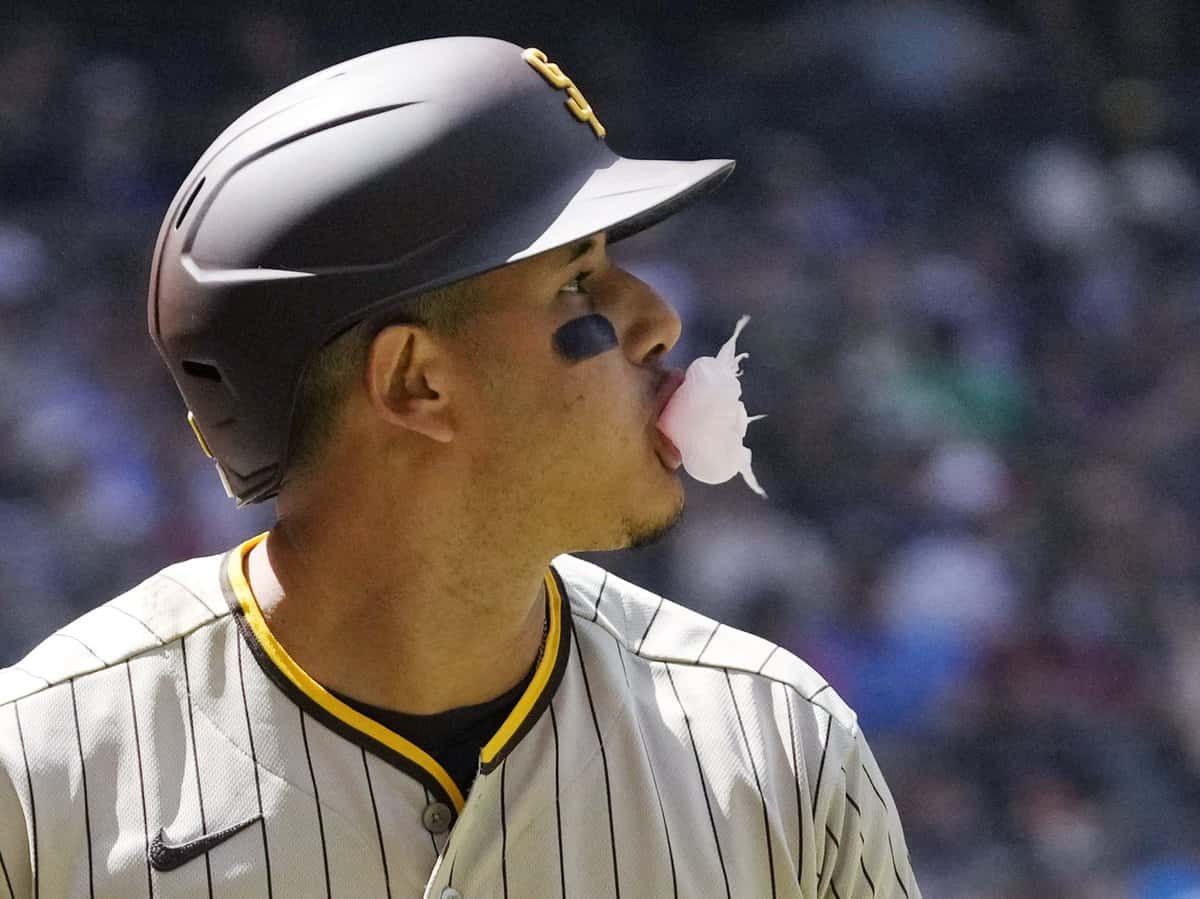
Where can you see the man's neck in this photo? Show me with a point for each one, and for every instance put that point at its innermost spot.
(417, 629)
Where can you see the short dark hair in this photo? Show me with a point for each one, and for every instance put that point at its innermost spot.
(334, 368)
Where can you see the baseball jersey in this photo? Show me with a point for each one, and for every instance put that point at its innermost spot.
(166, 745)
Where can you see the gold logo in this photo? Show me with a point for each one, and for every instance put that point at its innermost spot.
(575, 102)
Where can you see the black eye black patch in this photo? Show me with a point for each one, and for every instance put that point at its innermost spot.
(585, 337)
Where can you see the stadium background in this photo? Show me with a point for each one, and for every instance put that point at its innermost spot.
(968, 238)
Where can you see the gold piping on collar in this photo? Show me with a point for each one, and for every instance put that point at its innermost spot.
(351, 717)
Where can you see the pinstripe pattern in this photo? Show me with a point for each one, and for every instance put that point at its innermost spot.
(850, 799)
(387, 880)
(562, 869)
(646, 632)
(757, 784)
(895, 868)
(33, 825)
(707, 642)
(317, 803)
(213, 611)
(867, 774)
(7, 880)
(653, 777)
(29, 673)
(862, 863)
(187, 686)
(137, 746)
(612, 836)
(824, 754)
(65, 636)
(87, 815)
(599, 596)
(503, 830)
(767, 660)
(676, 756)
(115, 608)
(254, 760)
(703, 784)
(800, 818)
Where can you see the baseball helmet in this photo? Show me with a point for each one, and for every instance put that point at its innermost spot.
(356, 188)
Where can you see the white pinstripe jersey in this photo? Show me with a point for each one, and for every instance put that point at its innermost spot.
(656, 753)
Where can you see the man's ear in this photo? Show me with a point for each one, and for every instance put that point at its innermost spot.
(407, 381)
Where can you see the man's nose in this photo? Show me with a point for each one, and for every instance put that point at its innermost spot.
(648, 325)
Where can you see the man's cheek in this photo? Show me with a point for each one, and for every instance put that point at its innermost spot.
(585, 338)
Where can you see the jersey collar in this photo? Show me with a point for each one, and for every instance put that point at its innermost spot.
(370, 734)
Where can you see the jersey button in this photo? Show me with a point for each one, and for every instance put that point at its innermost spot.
(436, 819)
(451, 893)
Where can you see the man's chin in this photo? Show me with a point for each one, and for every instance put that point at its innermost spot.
(640, 533)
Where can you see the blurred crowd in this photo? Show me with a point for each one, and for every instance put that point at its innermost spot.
(969, 240)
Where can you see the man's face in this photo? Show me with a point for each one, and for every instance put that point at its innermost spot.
(559, 415)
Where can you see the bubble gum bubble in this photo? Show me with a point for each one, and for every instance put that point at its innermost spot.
(707, 421)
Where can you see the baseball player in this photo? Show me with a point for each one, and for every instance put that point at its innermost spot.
(384, 295)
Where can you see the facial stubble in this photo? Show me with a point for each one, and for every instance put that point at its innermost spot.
(647, 532)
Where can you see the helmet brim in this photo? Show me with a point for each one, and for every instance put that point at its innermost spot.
(628, 196)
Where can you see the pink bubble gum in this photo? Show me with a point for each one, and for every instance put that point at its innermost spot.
(707, 421)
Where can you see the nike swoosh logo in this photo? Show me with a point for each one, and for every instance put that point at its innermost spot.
(165, 856)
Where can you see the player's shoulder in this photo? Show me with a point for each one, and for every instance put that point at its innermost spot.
(657, 629)
(170, 604)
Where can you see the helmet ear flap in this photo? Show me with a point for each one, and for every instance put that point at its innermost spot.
(208, 452)
(207, 390)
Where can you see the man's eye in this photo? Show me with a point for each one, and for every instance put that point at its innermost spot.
(575, 285)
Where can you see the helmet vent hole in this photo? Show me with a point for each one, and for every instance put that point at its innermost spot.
(188, 205)
(201, 370)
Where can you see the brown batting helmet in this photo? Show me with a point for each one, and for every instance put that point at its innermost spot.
(361, 186)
